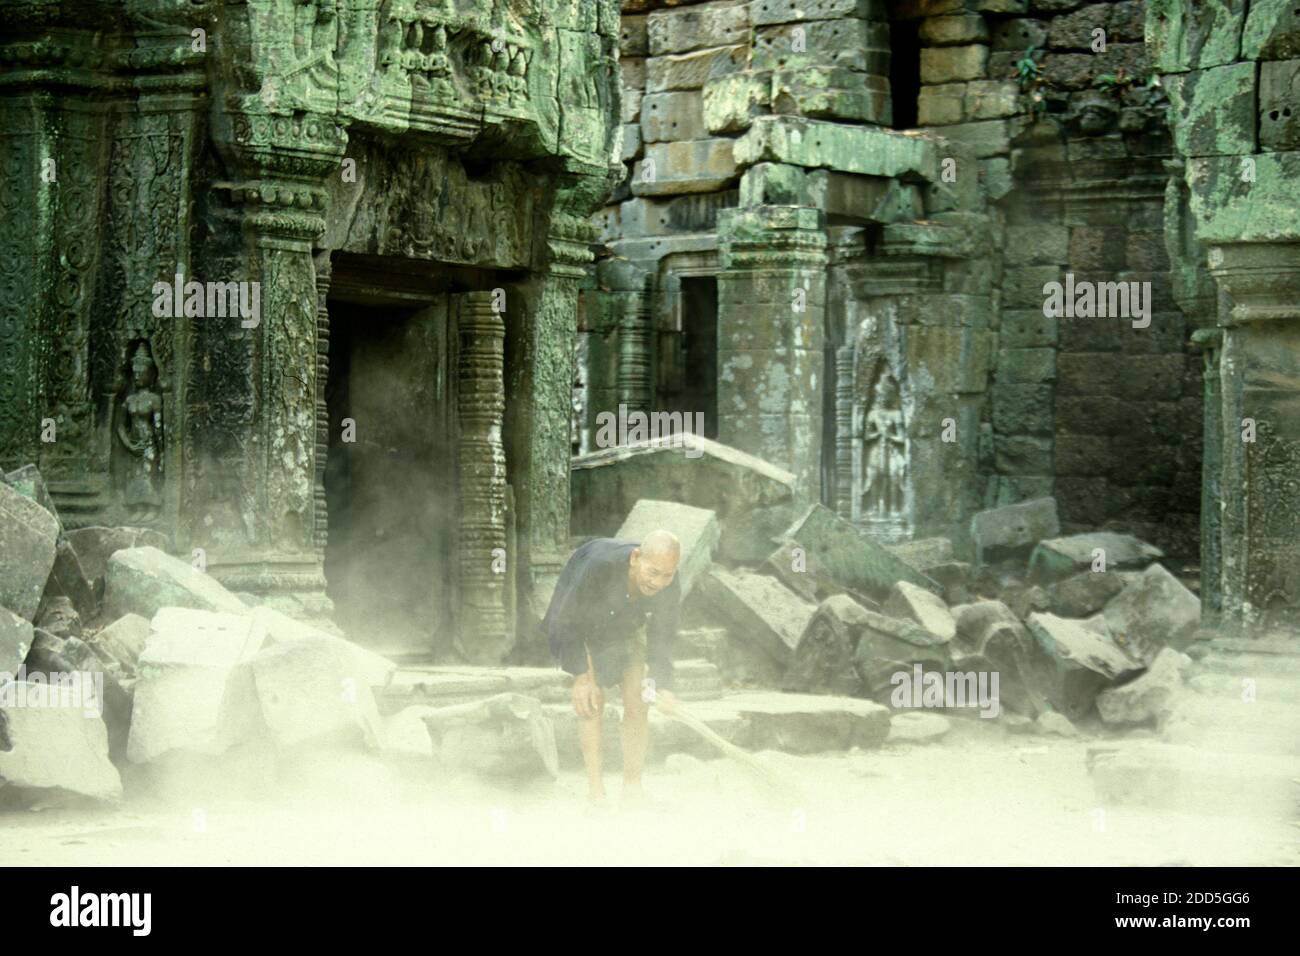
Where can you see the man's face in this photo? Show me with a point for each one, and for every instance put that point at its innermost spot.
(651, 573)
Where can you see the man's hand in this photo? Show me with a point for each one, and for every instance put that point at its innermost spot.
(588, 698)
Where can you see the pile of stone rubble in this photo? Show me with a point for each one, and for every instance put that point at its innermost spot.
(787, 595)
(116, 657)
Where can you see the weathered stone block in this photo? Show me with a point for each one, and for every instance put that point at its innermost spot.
(690, 71)
(696, 528)
(759, 609)
(992, 99)
(1245, 198)
(851, 557)
(949, 64)
(1022, 409)
(853, 149)
(1026, 366)
(28, 536)
(1027, 329)
(681, 29)
(1272, 31)
(631, 140)
(1078, 663)
(764, 12)
(145, 580)
(1018, 35)
(667, 117)
(832, 93)
(1279, 105)
(1084, 594)
(95, 545)
(985, 138)
(632, 37)
(1154, 611)
(1149, 697)
(1060, 558)
(1214, 110)
(941, 105)
(693, 166)
(53, 746)
(732, 101)
(886, 646)
(922, 606)
(190, 694)
(954, 30)
(123, 641)
(306, 694)
(823, 661)
(1074, 31)
(1012, 531)
(859, 45)
(1183, 36)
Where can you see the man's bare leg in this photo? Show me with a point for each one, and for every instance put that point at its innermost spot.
(636, 729)
(589, 732)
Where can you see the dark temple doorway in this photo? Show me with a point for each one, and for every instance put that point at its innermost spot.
(390, 480)
(694, 386)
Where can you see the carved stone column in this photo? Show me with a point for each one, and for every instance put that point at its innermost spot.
(771, 334)
(257, 481)
(634, 349)
(844, 431)
(484, 635)
(1260, 478)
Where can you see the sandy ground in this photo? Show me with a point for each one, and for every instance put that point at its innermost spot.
(977, 797)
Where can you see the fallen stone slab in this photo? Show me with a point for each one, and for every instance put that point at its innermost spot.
(696, 528)
(909, 602)
(823, 661)
(15, 641)
(804, 574)
(54, 748)
(888, 646)
(146, 580)
(70, 662)
(758, 609)
(851, 557)
(1058, 725)
(992, 631)
(978, 621)
(364, 666)
(924, 553)
(192, 694)
(1000, 534)
(1026, 599)
(1076, 665)
(804, 723)
(508, 735)
(308, 694)
(28, 539)
(1083, 594)
(1059, 558)
(1152, 696)
(752, 499)
(96, 544)
(122, 642)
(1153, 611)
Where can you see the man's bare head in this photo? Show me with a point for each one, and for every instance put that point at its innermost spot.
(654, 562)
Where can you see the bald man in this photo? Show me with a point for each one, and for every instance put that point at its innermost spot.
(613, 617)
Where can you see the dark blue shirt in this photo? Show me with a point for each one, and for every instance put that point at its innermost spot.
(592, 610)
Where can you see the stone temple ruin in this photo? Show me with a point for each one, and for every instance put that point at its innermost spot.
(315, 314)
